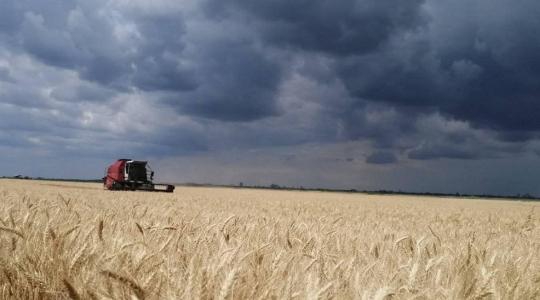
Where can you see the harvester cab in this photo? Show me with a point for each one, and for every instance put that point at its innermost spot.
(132, 175)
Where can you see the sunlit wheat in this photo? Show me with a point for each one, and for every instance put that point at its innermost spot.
(74, 240)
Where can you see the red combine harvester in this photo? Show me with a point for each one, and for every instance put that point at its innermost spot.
(132, 175)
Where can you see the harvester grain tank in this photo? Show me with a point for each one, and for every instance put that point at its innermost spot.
(132, 175)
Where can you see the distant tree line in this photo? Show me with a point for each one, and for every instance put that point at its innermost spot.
(274, 186)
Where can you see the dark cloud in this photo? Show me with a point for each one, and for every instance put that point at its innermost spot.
(51, 46)
(158, 64)
(430, 151)
(474, 75)
(162, 75)
(381, 158)
(174, 142)
(339, 28)
(5, 75)
(380, 124)
(516, 136)
(8, 19)
(84, 91)
(344, 27)
(24, 98)
(421, 80)
(484, 71)
(232, 80)
(228, 77)
(142, 52)
(237, 83)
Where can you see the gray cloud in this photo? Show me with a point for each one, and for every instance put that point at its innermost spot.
(104, 45)
(344, 27)
(471, 73)
(82, 91)
(430, 151)
(5, 75)
(237, 83)
(411, 82)
(381, 158)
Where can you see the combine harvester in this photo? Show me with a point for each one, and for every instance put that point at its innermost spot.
(132, 175)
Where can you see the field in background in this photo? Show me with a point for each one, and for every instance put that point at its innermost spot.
(74, 240)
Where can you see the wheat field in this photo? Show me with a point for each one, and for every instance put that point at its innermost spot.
(75, 240)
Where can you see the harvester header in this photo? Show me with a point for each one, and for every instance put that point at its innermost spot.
(132, 175)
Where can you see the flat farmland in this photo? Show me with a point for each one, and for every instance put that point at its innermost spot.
(76, 240)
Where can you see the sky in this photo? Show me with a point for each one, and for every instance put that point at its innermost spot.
(418, 95)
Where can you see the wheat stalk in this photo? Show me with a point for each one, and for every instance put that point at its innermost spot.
(139, 291)
(72, 292)
(251, 244)
(11, 230)
(227, 286)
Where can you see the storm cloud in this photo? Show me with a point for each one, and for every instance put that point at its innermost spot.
(346, 27)
(381, 158)
(385, 83)
(479, 65)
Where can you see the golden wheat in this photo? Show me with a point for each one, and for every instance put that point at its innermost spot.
(68, 240)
